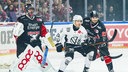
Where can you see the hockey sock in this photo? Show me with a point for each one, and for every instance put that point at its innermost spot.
(97, 55)
(108, 62)
(88, 60)
(65, 63)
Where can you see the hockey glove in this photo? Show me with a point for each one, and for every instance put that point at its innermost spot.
(91, 41)
(59, 47)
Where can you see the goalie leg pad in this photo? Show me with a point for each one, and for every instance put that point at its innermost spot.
(22, 62)
(39, 57)
(25, 57)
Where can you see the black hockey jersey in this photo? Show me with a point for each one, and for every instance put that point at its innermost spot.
(97, 30)
(32, 30)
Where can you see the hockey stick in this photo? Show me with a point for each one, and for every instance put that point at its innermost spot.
(113, 37)
(112, 57)
(51, 26)
(115, 57)
(45, 56)
(110, 40)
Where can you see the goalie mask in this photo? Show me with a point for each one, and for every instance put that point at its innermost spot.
(28, 6)
(30, 11)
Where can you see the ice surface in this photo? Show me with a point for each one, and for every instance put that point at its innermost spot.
(120, 64)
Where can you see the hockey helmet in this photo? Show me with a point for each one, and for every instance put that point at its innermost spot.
(93, 14)
(77, 17)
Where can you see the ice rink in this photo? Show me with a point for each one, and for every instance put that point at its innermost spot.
(120, 64)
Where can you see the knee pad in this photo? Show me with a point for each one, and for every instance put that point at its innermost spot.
(68, 60)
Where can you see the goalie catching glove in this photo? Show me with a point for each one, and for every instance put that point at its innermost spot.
(59, 47)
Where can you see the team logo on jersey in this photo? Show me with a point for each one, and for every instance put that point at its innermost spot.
(80, 32)
(75, 40)
(34, 26)
(96, 31)
(33, 37)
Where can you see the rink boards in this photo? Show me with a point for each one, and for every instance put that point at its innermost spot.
(7, 41)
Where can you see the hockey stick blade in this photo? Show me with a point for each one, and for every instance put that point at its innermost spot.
(110, 40)
(114, 35)
(115, 57)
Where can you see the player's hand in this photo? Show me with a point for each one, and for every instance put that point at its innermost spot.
(91, 41)
(59, 47)
(84, 43)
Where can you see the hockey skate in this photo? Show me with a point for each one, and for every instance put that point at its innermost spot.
(60, 71)
(86, 69)
(111, 70)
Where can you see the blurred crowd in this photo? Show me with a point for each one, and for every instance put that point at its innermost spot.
(10, 11)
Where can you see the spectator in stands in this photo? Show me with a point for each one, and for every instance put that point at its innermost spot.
(22, 10)
(100, 12)
(54, 10)
(11, 14)
(110, 14)
(3, 14)
(45, 12)
(28, 1)
(7, 3)
(90, 9)
(67, 9)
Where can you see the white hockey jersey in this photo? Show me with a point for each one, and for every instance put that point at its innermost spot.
(71, 36)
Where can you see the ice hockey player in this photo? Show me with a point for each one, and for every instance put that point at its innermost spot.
(97, 33)
(74, 35)
(28, 30)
